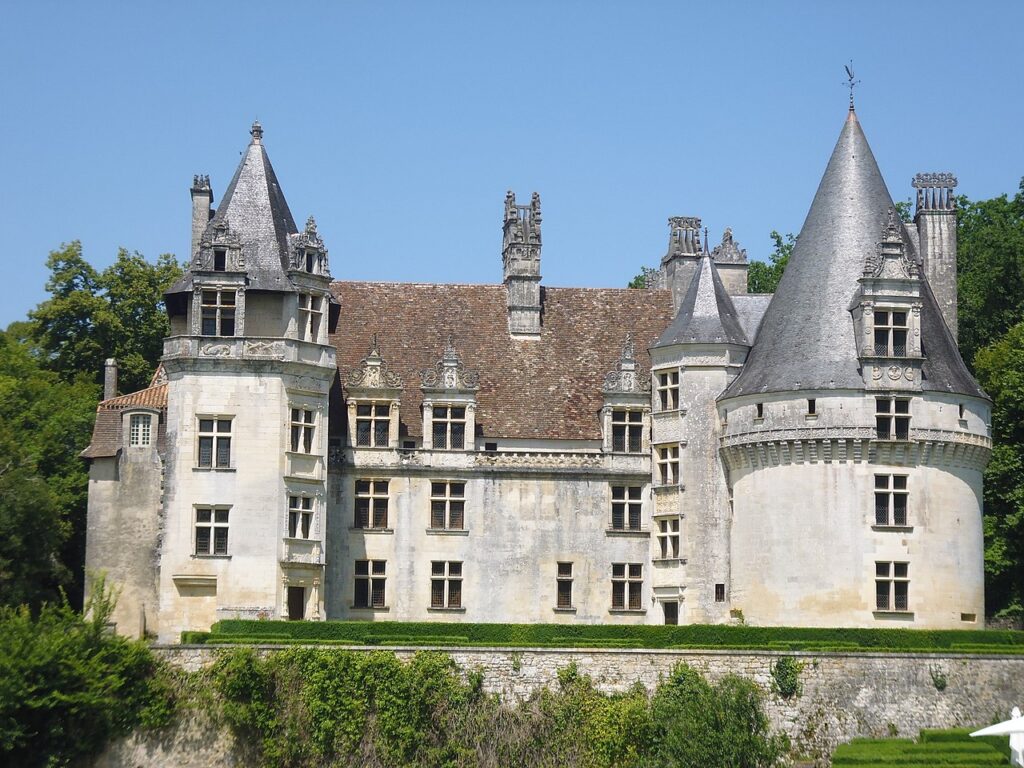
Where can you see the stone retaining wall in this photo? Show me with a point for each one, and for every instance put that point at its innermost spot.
(843, 696)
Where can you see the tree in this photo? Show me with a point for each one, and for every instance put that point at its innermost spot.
(92, 315)
(644, 279)
(990, 269)
(764, 278)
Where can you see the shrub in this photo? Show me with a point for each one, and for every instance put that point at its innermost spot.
(786, 676)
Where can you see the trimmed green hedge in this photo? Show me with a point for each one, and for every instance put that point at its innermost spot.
(604, 635)
(947, 748)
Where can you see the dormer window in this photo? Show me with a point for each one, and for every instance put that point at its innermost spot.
(218, 313)
(373, 425)
(220, 259)
(310, 261)
(891, 333)
(627, 431)
(140, 430)
(448, 427)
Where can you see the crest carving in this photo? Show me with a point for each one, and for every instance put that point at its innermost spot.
(450, 372)
(373, 372)
(625, 379)
(890, 260)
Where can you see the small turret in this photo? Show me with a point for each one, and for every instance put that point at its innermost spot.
(520, 255)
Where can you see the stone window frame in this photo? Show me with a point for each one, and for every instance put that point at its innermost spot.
(302, 430)
(627, 587)
(373, 580)
(667, 459)
(216, 436)
(140, 430)
(892, 586)
(211, 519)
(890, 330)
(218, 310)
(446, 580)
(387, 398)
(373, 414)
(378, 504)
(431, 421)
(894, 487)
(667, 390)
(309, 314)
(444, 502)
(630, 499)
(564, 586)
(896, 421)
(305, 511)
(126, 426)
(632, 423)
(669, 533)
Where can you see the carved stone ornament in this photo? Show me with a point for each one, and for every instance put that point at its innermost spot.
(215, 350)
(306, 241)
(890, 259)
(683, 237)
(373, 372)
(219, 236)
(521, 231)
(450, 372)
(269, 349)
(728, 252)
(625, 379)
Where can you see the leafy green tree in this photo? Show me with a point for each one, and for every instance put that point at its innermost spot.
(644, 279)
(1000, 370)
(990, 269)
(764, 277)
(92, 315)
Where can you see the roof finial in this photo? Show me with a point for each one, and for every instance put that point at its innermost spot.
(705, 240)
(256, 132)
(850, 82)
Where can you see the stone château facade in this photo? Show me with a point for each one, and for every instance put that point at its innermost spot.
(318, 449)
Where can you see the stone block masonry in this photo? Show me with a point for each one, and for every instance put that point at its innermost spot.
(843, 695)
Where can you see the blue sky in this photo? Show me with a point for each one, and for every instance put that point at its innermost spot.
(401, 124)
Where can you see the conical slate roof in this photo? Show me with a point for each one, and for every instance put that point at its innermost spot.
(256, 211)
(706, 314)
(807, 339)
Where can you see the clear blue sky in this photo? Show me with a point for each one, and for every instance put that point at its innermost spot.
(401, 125)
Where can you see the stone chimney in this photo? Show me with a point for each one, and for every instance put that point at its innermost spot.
(520, 255)
(202, 200)
(935, 218)
(680, 260)
(110, 378)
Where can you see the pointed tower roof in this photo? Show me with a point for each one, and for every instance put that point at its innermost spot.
(806, 339)
(255, 209)
(706, 315)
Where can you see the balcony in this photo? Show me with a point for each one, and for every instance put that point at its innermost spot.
(268, 348)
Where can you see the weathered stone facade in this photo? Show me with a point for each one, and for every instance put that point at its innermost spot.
(842, 695)
(686, 453)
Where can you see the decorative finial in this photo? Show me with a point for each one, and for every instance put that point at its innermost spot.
(850, 82)
(705, 240)
(256, 132)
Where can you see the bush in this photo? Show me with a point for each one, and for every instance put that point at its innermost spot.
(67, 685)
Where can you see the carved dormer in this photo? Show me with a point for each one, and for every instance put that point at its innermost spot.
(626, 413)
(373, 393)
(520, 256)
(220, 250)
(887, 314)
(308, 253)
(449, 402)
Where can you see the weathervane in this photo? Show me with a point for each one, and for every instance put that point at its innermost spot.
(850, 82)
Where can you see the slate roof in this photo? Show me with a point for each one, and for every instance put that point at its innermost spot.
(806, 339)
(547, 388)
(706, 314)
(255, 209)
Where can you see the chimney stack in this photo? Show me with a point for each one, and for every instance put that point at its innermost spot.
(936, 228)
(202, 199)
(520, 255)
(110, 378)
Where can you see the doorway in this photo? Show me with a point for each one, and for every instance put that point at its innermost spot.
(296, 603)
(671, 609)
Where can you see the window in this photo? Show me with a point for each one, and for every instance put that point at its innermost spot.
(812, 406)
(668, 538)
(759, 411)
(369, 584)
(302, 430)
(564, 585)
(373, 425)
(220, 257)
(311, 312)
(300, 516)
(447, 505)
(668, 464)
(449, 427)
(892, 418)
(371, 504)
(140, 429)
(891, 586)
(218, 313)
(890, 499)
(626, 506)
(310, 261)
(627, 582)
(627, 431)
(445, 584)
(719, 593)
(668, 391)
(891, 334)
(211, 531)
(214, 442)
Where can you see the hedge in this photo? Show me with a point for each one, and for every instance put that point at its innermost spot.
(947, 748)
(604, 635)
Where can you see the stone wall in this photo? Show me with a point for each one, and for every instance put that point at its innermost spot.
(844, 695)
